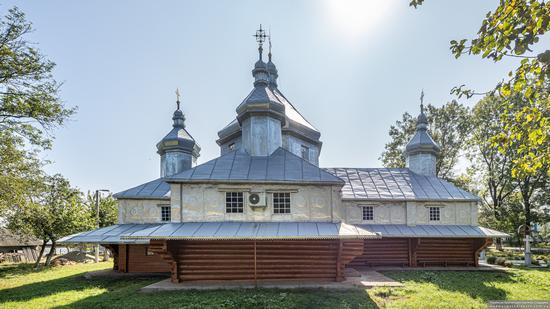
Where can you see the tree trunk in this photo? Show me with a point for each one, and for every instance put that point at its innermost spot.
(498, 244)
(527, 210)
(105, 254)
(37, 263)
(50, 254)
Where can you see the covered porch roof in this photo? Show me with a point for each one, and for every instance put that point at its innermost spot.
(433, 231)
(142, 233)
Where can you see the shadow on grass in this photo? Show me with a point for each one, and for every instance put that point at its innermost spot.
(74, 282)
(9, 270)
(130, 297)
(476, 284)
(124, 293)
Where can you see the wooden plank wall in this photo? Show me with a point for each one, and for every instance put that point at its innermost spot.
(134, 258)
(383, 252)
(248, 260)
(420, 252)
(445, 251)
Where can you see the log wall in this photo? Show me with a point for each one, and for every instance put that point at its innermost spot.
(134, 258)
(267, 260)
(420, 252)
(384, 252)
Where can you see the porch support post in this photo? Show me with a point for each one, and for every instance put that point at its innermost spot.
(339, 265)
(413, 248)
(480, 245)
(173, 249)
(255, 266)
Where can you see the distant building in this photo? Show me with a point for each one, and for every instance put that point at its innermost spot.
(18, 248)
(264, 209)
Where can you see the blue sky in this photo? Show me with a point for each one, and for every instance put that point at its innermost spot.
(350, 67)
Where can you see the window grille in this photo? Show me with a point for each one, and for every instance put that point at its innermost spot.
(234, 202)
(368, 213)
(435, 213)
(165, 214)
(281, 202)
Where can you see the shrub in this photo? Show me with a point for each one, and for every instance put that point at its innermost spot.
(535, 262)
(500, 261)
(491, 259)
(508, 264)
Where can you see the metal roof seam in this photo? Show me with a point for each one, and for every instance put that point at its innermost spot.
(361, 181)
(232, 163)
(433, 187)
(396, 182)
(385, 183)
(155, 189)
(445, 188)
(350, 183)
(158, 227)
(415, 179)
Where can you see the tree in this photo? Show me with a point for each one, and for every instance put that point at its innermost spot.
(20, 172)
(511, 30)
(492, 167)
(525, 136)
(449, 125)
(29, 95)
(30, 108)
(55, 212)
(108, 209)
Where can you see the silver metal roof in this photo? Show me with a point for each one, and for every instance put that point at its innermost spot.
(295, 121)
(108, 235)
(394, 184)
(142, 233)
(438, 231)
(238, 166)
(252, 230)
(156, 189)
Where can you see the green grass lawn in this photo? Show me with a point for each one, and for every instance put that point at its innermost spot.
(60, 287)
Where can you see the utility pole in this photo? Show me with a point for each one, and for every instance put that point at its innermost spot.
(97, 220)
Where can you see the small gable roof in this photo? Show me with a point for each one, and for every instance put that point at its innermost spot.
(156, 189)
(396, 184)
(281, 166)
(9, 238)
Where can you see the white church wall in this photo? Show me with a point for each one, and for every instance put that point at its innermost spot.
(140, 211)
(450, 213)
(206, 202)
(384, 212)
(411, 213)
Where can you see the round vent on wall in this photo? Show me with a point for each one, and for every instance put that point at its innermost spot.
(254, 198)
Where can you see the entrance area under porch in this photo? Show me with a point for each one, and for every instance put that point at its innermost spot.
(242, 260)
(305, 260)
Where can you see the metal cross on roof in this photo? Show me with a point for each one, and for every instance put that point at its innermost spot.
(422, 102)
(178, 97)
(260, 36)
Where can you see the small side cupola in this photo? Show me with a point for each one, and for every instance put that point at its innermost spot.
(178, 150)
(422, 151)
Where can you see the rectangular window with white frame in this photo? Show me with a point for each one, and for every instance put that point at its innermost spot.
(281, 202)
(435, 213)
(234, 202)
(165, 213)
(368, 213)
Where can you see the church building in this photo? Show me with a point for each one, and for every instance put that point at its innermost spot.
(264, 209)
